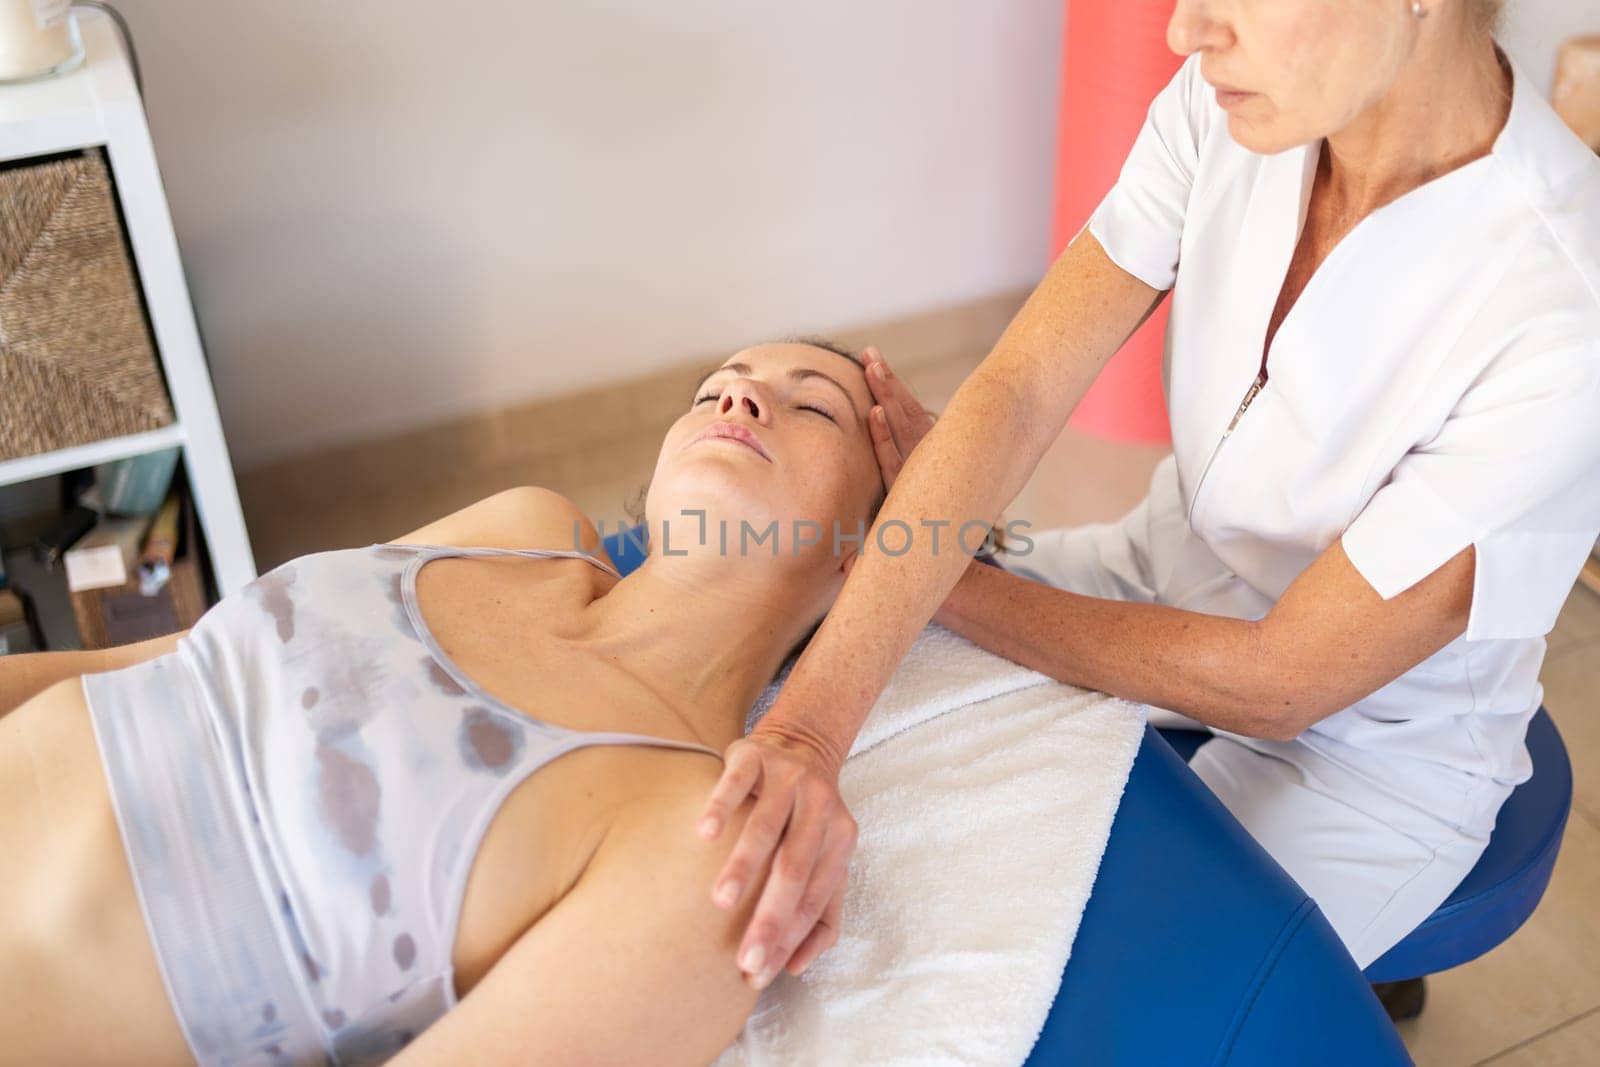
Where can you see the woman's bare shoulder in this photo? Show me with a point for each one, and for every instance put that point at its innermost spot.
(524, 516)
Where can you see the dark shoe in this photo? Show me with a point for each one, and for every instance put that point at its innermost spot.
(1402, 1000)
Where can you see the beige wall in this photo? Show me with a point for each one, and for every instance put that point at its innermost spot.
(396, 212)
(1534, 29)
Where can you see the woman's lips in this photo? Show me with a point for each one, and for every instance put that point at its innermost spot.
(729, 431)
(1227, 96)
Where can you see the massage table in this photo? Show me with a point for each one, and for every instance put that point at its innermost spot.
(1195, 947)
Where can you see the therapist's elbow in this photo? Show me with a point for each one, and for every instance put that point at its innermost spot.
(1268, 702)
(1262, 720)
(1263, 715)
(1282, 726)
(1291, 712)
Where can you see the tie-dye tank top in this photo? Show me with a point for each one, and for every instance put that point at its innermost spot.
(302, 786)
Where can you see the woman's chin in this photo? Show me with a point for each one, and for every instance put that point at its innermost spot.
(1263, 138)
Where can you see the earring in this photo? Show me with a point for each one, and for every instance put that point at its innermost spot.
(1417, 10)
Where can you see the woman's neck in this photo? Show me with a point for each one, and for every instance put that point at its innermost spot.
(1445, 109)
(704, 634)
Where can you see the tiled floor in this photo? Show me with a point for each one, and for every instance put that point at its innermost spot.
(1533, 1000)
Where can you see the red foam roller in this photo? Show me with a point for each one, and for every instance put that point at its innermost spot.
(1116, 60)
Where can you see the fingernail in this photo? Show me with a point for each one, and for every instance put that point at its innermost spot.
(753, 958)
(728, 893)
(764, 979)
(880, 370)
(708, 826)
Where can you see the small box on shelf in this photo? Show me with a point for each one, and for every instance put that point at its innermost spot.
(121, 614)
(124, 578)
(140, 608)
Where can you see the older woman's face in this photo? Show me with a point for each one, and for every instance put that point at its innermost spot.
(809, 457)
(1304, 68)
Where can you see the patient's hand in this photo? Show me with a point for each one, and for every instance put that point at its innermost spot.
(897, 422)
(800, 814)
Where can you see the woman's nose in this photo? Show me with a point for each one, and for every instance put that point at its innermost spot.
(1195, 25)
(744, 396)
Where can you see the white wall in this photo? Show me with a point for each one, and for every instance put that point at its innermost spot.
(394, 212)
(1534, 30)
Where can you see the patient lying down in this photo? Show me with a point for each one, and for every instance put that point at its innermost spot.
(310, 830)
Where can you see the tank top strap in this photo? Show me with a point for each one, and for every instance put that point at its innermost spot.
(621, 737)
(480, 550)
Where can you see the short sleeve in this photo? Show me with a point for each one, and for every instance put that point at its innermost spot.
(1515, 470)
(1139, 223)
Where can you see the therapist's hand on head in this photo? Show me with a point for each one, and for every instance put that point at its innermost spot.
(799, 812)
(897, 422)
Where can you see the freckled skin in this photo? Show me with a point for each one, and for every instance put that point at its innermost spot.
(347, 799)
(1316, 64)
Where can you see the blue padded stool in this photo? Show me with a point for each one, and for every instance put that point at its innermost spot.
(1501, 891)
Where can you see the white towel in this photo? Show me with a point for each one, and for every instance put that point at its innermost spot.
(984, 794)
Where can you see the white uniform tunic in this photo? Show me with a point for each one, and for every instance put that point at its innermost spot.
(1436, 384)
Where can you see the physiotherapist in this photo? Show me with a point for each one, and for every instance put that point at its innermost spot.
(1382, 373)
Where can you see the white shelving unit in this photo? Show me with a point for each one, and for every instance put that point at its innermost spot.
(98, 105)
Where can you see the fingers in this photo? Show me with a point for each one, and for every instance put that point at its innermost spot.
(889, 458)
(834, 867)
(771, 935)
(789, 904)
(760, 836)
(907, 419)
(886, 391)
(741, 770)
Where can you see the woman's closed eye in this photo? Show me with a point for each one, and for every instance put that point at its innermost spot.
(804, 407)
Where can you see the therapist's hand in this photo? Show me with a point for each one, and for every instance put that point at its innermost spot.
(797, 788)
(897, 421)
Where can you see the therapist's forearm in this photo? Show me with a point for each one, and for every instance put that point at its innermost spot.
(957, 474)
(972, 463)
(1208, 667)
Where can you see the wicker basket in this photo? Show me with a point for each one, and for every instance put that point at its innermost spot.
(76, 359)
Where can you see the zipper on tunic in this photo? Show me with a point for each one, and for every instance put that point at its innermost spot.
(1249, 395)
